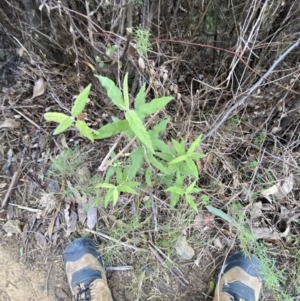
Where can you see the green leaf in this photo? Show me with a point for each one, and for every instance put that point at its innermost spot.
(179, 146)
(141, 97)
(119, 175)
(138, 128)
(55, 117)
(196, 190)
(176, 189)
(163, 147)
(191, 187)
(108, 197)
(84, 129)
(158, 143)
(179, 179)
(152, 160)
(66, 123)
(124, 188)
(196, 156)
(162, 125)
(110, 172)
(178, 159)
(164, 156)
(80, 101)
(191, 202)
(111, 129)
(154, 105)
(205, 199)
(192, 168)
(115, 196)
(137, 159)
(174, 199)
(113, 92)
(148, 175)
(171, 168)
(125, 91)
(105, 185)
(221, 214)
(132, 183)
(194, 145)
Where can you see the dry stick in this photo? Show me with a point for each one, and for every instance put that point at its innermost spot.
(176, 271)
(100, 168)
(90, 27)
(114, 240)
(28, 119)
(25, 208)
(47, 279)
(243, 99)
(13, 182)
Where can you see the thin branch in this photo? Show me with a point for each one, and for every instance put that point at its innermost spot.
(13, 183)
(250, 91)
(114, 240)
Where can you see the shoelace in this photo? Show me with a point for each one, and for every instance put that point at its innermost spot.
(83, 294)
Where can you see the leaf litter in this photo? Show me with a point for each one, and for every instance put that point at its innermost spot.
(39, 88)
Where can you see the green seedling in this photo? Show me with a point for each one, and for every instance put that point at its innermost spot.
(157, 163)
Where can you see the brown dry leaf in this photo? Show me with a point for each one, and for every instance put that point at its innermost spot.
(39, 88)
(71, 220)
(82, 116)
(218, 244)
(10, 123)
(3, 185)
(10, 211)
(278, 190)
(265, 233)
(286, 187)
(40, 239)
(82, 214)
(255, 211)
(63, 141)
(91, 217)
(52, 222)
(202, 221)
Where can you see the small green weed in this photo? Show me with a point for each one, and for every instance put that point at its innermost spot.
(142, 38)
(260, 139)
(67, 163)
(232, 122)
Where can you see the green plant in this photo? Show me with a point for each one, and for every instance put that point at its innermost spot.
(67, 163)
(142, 38)
(260, 139)
(252, 164)
(151, 160)
(233, 122)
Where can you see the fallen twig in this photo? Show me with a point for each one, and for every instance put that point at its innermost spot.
(175, 271)
(120, 268)
(250, 91)
(13, 182)
(114, 240)
(25, 208)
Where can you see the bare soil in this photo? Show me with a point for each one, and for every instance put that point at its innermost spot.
(19, 282)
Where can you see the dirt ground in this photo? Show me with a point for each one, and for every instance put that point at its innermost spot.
(24, 278)
(30, 277)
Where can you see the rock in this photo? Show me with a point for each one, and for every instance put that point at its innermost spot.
(183, 249)
(12, 227)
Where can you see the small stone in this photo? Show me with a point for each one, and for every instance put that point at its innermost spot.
(12, 226)
(183, 249)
